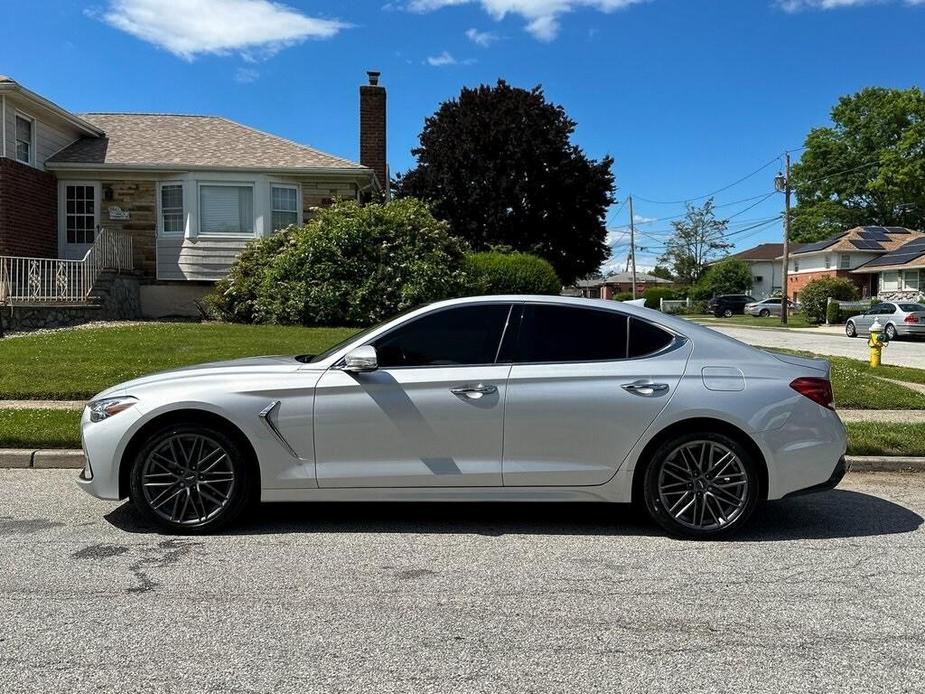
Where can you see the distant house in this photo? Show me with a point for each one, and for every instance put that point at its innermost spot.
(851, 254)
(606, 287)
(766, 267)
(175, 197)
(898, 274)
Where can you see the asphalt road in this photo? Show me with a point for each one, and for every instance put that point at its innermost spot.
(823, 593)
(898, 352)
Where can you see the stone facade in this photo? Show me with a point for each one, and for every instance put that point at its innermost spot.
(28, 211)
(138, 199)
(902, 295)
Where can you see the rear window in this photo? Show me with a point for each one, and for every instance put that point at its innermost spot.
(912, 307)
(568, 334)
(646, 339)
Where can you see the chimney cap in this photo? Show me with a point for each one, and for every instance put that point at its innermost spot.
(373, 77)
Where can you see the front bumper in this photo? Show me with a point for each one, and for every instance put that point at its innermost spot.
(103, 444)
(841, 467)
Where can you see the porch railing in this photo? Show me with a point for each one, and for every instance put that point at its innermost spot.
(58, 280)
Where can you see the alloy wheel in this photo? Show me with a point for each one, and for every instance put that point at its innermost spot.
(188, 479)
(703, 485)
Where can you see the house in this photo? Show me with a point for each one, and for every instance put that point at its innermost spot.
(899, 274)
(766, 268)
(844, 254)
(606, 288)
(174, 197)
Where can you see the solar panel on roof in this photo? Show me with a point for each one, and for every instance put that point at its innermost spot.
(893, 259)
(817, 246)
(874, 235)
(863, 245)
(898, 230)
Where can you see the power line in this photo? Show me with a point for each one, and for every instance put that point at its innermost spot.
(718, 190)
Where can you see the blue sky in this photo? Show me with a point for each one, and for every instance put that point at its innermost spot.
(687, 95)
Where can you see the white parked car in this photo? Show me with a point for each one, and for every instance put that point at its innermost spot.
(509, 398)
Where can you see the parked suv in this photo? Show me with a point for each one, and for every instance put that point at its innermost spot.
(729, 304)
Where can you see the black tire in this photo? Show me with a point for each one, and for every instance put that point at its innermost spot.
(656, 498)
(233, 464)
(764, 313)
(727, 313)
(890, 331)
(850, 329)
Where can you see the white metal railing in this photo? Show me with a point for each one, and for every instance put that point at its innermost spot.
(46, 280)
(673, 305)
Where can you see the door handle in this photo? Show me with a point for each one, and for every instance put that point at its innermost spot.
(645, 388)
(474, 392)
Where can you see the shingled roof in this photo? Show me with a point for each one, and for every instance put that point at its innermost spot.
(143, 140)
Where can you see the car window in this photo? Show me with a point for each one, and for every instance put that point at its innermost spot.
(912, 307)
(568, 333)
(886, 309)
(772, 301)
(875, 310)
(456, 336)
(646, 338)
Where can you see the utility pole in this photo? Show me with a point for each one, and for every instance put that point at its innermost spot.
(632, 245)
(782, 184)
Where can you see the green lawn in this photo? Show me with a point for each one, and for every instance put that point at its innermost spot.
(60, 429)
(76, 364)
(795, 320)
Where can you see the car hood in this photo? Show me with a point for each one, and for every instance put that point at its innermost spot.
(230, 368)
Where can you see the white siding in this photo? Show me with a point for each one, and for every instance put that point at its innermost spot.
(203, 258)
(48, 138)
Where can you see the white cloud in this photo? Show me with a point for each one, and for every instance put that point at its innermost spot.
(441, 60)
(246, 75)
(798, 5)
(541, 16)
(481, 38)
(188, 28)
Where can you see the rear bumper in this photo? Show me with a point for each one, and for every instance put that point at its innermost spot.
(910, 329)
(841, 467)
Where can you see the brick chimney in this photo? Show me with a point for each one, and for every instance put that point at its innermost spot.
(372, 128)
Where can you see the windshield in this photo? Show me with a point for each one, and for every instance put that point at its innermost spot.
(356, 336)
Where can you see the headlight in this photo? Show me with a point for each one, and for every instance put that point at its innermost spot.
(107, 407)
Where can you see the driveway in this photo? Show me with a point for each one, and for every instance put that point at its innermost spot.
(828, 342)
(823, 593)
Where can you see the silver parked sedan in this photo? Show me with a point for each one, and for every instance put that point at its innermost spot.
(768, 307)
(507, 398)
(899, 319)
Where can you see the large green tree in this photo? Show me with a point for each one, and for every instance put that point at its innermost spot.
(498, 164)
(698, 239)
(868, 167)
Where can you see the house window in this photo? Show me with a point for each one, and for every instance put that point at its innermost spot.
(285, 206)
(172, 221)
(889, 281)
(796, 265)
(79, 213)
(844, 261)
(25, 128)
(911, 280)
(828, 262)
(226, 209)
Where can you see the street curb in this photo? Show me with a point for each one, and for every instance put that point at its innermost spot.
(74, 459)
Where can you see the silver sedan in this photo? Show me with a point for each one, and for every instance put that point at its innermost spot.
(768, 307)
(507, 398)
(898, 319)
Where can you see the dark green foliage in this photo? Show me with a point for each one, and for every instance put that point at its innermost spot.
(493, 272)
(352, 265)
(497, 163)
(654, 295)
(814, 296)
(833, 313)
(729, 276)
(868, 167)
(623, 296)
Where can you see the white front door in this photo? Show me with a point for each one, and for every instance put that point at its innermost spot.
(78, 217)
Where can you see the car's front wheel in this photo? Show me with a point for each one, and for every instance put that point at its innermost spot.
(764, 313)
(190, 478)
(727, 313)
(701, 485)
(850, 329)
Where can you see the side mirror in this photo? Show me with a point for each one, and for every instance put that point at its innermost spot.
(361, 359)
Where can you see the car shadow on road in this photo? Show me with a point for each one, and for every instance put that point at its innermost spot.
(834, 514)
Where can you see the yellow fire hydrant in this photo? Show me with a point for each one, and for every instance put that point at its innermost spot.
(876, 343)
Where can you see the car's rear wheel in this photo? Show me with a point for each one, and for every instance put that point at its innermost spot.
(764, 313)
(727, 313)
(850, 329)
(192, 479)
(701, 485)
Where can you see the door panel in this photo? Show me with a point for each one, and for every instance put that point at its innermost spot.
(405, 427)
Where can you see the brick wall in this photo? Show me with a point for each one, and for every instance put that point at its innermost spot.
(796, 282)
(28, 211)
(372, 128)
(138, 199)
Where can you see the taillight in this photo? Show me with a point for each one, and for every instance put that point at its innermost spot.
(911, 319)
(819, 390)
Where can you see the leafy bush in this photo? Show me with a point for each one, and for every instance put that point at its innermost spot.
(833, 313)
(494, 272)
(814, 295)
(623, 296)
(725, 277)
(352, 265)
(654, 295)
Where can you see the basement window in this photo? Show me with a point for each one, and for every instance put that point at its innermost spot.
(25, 134)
